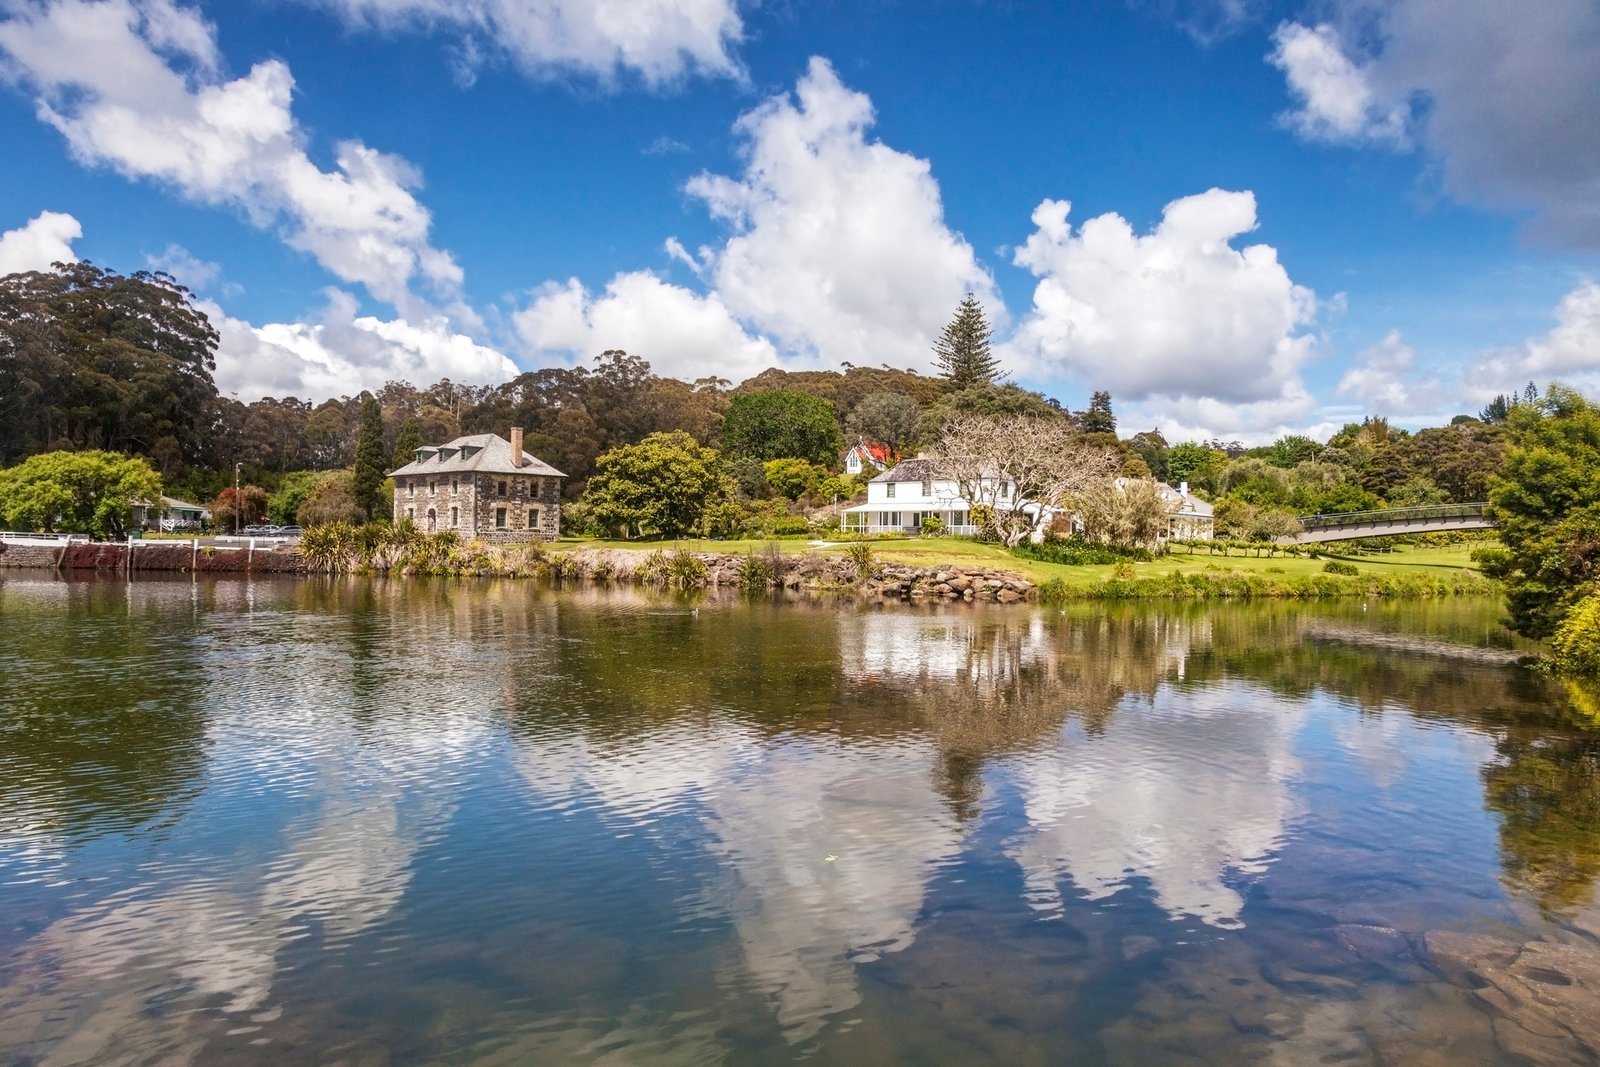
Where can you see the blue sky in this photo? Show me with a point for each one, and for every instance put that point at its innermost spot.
(1240, 217)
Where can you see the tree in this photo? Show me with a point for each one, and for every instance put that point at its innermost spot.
(77, 492)
(793, 478)
(100, 360)
(1099, 418)
(1546, 506)
(331, 501)
(962, 350)
(366, 485)
(1128, 512)
(1019, 468)
(1199, 465)
(406, 443)
(662, 485)
(1151, 447)
(890, 418)
(782, 424)
(230, 510)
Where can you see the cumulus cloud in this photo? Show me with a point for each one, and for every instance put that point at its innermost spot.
(1570, 351)
(45, 239)
(1178, 312)
(838, 251)
(1385, 380)
(659, 40)
(135, 85)
(681, 333)
(341, 353)
(1505, 92)
(839, 243)
(1338, 100)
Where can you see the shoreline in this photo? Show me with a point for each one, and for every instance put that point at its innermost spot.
(771, 569)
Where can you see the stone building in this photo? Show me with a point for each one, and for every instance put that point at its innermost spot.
(481, 486)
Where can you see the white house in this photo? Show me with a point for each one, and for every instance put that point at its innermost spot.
(1188, 517)
(173, 514)
(902, 496)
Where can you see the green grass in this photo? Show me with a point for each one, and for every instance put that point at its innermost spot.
(1440, 561)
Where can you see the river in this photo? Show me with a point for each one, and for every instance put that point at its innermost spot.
(401, 822)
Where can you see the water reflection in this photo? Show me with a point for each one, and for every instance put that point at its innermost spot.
(428, 821)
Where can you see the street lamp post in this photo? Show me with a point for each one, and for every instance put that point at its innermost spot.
(238, 501)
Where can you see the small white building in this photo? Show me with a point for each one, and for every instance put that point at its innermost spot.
(901, 497)
(173, 514)
(865, 455)
(1188, 517)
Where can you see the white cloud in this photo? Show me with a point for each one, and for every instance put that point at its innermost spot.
(184, 265)
(840, 245)
(1338, 100)
(1177, 313)
(1384, 379)
(681, 333)
(342, 353)
(1506, 96)
(660, 40)
(45, 239)
(839, 252)
(133, 84)
(1569, 352)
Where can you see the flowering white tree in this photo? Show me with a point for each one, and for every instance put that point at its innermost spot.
(1019, 468)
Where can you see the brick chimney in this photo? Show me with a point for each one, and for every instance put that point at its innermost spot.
(516, 446)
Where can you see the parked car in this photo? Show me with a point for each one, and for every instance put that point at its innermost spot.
(261, 531)
(289, 531)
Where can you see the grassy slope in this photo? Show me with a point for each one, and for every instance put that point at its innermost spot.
(935, 552)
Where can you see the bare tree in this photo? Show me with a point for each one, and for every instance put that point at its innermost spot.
(1020, 469)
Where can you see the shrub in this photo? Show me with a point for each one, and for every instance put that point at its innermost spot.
(1078, 553)
(1339, 566)
(1575, 646)
(860, 554)
(754, 571)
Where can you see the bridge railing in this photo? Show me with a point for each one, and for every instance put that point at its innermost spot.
(1396, 516)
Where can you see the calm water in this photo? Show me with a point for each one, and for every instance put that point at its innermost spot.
(375, 823)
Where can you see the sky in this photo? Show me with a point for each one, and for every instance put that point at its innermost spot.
(1242, 218)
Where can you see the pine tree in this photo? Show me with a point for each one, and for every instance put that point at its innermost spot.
(1099, 418)
(963, 348)
(368, 479)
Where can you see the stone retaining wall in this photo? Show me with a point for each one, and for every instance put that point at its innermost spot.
(177, 556)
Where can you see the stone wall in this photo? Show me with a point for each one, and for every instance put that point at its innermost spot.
(523, 493)
(176, 556)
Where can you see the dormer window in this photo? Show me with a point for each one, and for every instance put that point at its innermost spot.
(468, 450)
(446, 453)
(423, 454)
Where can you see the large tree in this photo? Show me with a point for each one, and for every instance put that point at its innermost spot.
(661, 485)
(1546, 505)
(1017, 467)
(1098, 418)
(889, 418)
(782, 424)
(963, 348)
(93, 359)
(77, 492)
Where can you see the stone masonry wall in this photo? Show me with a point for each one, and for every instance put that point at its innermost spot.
(523, 492)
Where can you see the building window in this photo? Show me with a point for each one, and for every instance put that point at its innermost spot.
(533, 518)
(411, 514)
(452, 485)
(927, 489)
(411, 487)
(433, 487)
(500, 517)
(455, 517)
(500, 490)
(888, 490)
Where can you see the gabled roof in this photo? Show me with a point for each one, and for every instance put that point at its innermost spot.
(876, 451)
(912, 470)
(482, 453)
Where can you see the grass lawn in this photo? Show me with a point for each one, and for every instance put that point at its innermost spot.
(935, 552)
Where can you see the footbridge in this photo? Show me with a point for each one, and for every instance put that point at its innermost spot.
(1348, 525)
